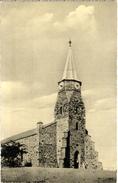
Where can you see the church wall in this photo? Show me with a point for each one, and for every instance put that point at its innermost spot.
(76, 144)
(77, 128)
(91, 156)
(41, 147)
(61, 118)
(62, 126)
(47, 146)
(31, 146)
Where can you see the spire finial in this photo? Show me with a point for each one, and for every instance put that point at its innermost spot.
(70, 43)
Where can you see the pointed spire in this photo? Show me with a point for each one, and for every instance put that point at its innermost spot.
(70, 71)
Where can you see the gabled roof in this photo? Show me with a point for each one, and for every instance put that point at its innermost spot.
(25, 134)
(19, 136)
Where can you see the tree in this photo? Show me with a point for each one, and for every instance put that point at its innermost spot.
(12, 154)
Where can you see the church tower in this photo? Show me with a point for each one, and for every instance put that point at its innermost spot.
(70, 117)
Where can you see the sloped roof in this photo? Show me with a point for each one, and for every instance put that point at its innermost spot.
(25, 134)
(19, 136)
(70, 69)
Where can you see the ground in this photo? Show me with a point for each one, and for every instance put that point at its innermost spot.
(56, 175)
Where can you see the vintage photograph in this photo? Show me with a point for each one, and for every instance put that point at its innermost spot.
(58, 91)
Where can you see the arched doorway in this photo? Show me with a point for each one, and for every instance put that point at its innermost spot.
(76, 159)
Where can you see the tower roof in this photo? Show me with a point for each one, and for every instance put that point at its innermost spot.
(70, 70)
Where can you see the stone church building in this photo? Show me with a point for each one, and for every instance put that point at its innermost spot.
(65, 142)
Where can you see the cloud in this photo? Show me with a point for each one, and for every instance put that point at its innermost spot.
(16, 92)
(44, 101)
(17, 98)
(11, 88)
(88, 92)
(40, 22)
(20, 95)
(26, 25)
(99, 99)
(23, 15)
(82, 18)
(80, 15)
(36, 23)
(105, 104)
(26, 113)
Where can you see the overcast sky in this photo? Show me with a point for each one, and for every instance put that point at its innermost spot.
(34, 47)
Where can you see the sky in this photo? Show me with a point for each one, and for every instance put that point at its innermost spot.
(34, 45)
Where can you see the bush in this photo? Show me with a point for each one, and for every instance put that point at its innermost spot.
(12, 154)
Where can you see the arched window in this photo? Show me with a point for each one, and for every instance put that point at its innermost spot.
(77, 126)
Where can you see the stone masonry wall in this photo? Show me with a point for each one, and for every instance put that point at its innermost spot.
(61, 127)
(47, 146)
(31, 146)
(77, 128)
(61, 112)
(69, 112)
(41, 147)
(91, 156)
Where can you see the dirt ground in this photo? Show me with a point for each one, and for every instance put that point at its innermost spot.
(56, 175)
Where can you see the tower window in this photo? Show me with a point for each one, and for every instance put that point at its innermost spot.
(77, 126)
(76, 109)
(61, 110)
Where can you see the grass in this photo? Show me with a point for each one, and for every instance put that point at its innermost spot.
(56, 175)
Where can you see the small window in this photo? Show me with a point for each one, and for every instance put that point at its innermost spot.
(77, 126)
(76, 109)
(60, 110)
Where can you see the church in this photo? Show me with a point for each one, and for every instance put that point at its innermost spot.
(64, 143)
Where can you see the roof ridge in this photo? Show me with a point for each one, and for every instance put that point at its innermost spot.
(19, 135)
(23, 134)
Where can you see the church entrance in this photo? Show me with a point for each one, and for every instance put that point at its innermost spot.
(76, 159)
